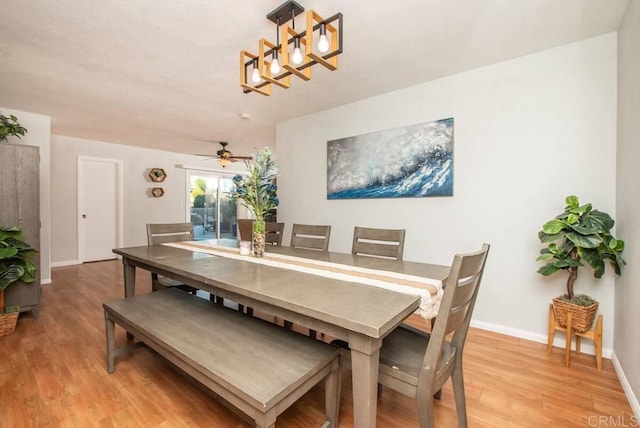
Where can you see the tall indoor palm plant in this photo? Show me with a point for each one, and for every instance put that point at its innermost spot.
(258, 192)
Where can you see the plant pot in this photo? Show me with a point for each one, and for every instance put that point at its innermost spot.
(581, 316)
(8, 320)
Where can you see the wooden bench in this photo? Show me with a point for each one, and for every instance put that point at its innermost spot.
(256, 366)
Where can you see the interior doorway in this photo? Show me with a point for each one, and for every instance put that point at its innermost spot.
(99, 208)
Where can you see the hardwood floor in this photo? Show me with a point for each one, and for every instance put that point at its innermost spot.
(53, 374)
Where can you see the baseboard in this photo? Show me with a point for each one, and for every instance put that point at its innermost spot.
(45, 281)
(558, 341)
(66, 263)
(633, 400)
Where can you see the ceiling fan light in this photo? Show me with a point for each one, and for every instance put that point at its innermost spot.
(223, 162)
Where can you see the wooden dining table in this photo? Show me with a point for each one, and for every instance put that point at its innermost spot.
(360, 314)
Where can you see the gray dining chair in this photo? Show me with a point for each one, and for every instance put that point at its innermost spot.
(416, 363)
(273, 236)
(273, 231)
(388, 243)
(161, 233)
(245, 229)
(313, 237)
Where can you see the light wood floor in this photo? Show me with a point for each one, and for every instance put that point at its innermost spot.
(52, 374)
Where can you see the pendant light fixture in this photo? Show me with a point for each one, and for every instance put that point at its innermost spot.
(293, 53)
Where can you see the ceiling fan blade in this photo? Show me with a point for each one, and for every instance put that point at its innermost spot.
(241, 157)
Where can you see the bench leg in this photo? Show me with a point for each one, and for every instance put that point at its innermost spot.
(110, 330)
(332, 388)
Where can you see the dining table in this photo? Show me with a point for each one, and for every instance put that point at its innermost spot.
(361, 315)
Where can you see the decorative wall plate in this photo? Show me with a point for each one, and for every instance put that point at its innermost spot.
(157, 192)
(157, 175)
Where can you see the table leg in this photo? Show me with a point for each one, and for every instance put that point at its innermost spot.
(129, 284)
(129, 279)
(365, 354)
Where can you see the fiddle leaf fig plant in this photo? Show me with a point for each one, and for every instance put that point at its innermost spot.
(15, 260)
(9, 126)
(579, 235)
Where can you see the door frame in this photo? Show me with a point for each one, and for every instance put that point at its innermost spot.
(119, 188)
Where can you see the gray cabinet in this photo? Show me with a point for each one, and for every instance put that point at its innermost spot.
(20, 206)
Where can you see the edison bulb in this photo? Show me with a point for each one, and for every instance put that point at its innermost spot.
(296, 58)
(255, 76)
(323, 43)
(275, 67)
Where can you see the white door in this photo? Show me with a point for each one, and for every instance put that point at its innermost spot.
(99, 207)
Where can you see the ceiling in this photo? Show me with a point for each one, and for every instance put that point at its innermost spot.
(164, 74)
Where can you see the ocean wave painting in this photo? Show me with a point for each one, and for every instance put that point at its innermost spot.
(412, 161)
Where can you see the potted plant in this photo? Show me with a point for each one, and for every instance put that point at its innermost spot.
(9, 126)
(15, 264)
(258, 192)
(579, 234)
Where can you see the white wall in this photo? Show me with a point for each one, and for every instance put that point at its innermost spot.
(39, 134)
(139, 207)
(528, 132)
(627, 316)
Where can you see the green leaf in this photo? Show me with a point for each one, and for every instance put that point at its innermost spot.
(544, 257)
(10, 275)
(553, 226)
(586, 241)
(546, 238)
(8, 252)
(571, 201)
(572, 218)
(604, 220)
(548, 269)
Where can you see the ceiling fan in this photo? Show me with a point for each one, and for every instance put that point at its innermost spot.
(225, 157)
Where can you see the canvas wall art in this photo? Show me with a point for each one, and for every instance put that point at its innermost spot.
(412, 161)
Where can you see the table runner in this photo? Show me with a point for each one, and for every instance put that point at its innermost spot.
(429, 290)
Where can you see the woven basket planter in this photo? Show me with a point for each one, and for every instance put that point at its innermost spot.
(581, 316)
(8, 321)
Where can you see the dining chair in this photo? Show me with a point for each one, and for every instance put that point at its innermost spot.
(312, 237)
(160, 233)
(272, 236)
(416, 363)
(245, 229)
(309, 236)
(273, 233)
(388, 243)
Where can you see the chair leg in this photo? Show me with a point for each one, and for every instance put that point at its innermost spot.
(457, 379)
(425, 409)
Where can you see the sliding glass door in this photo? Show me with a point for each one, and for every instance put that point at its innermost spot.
(212, 209)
